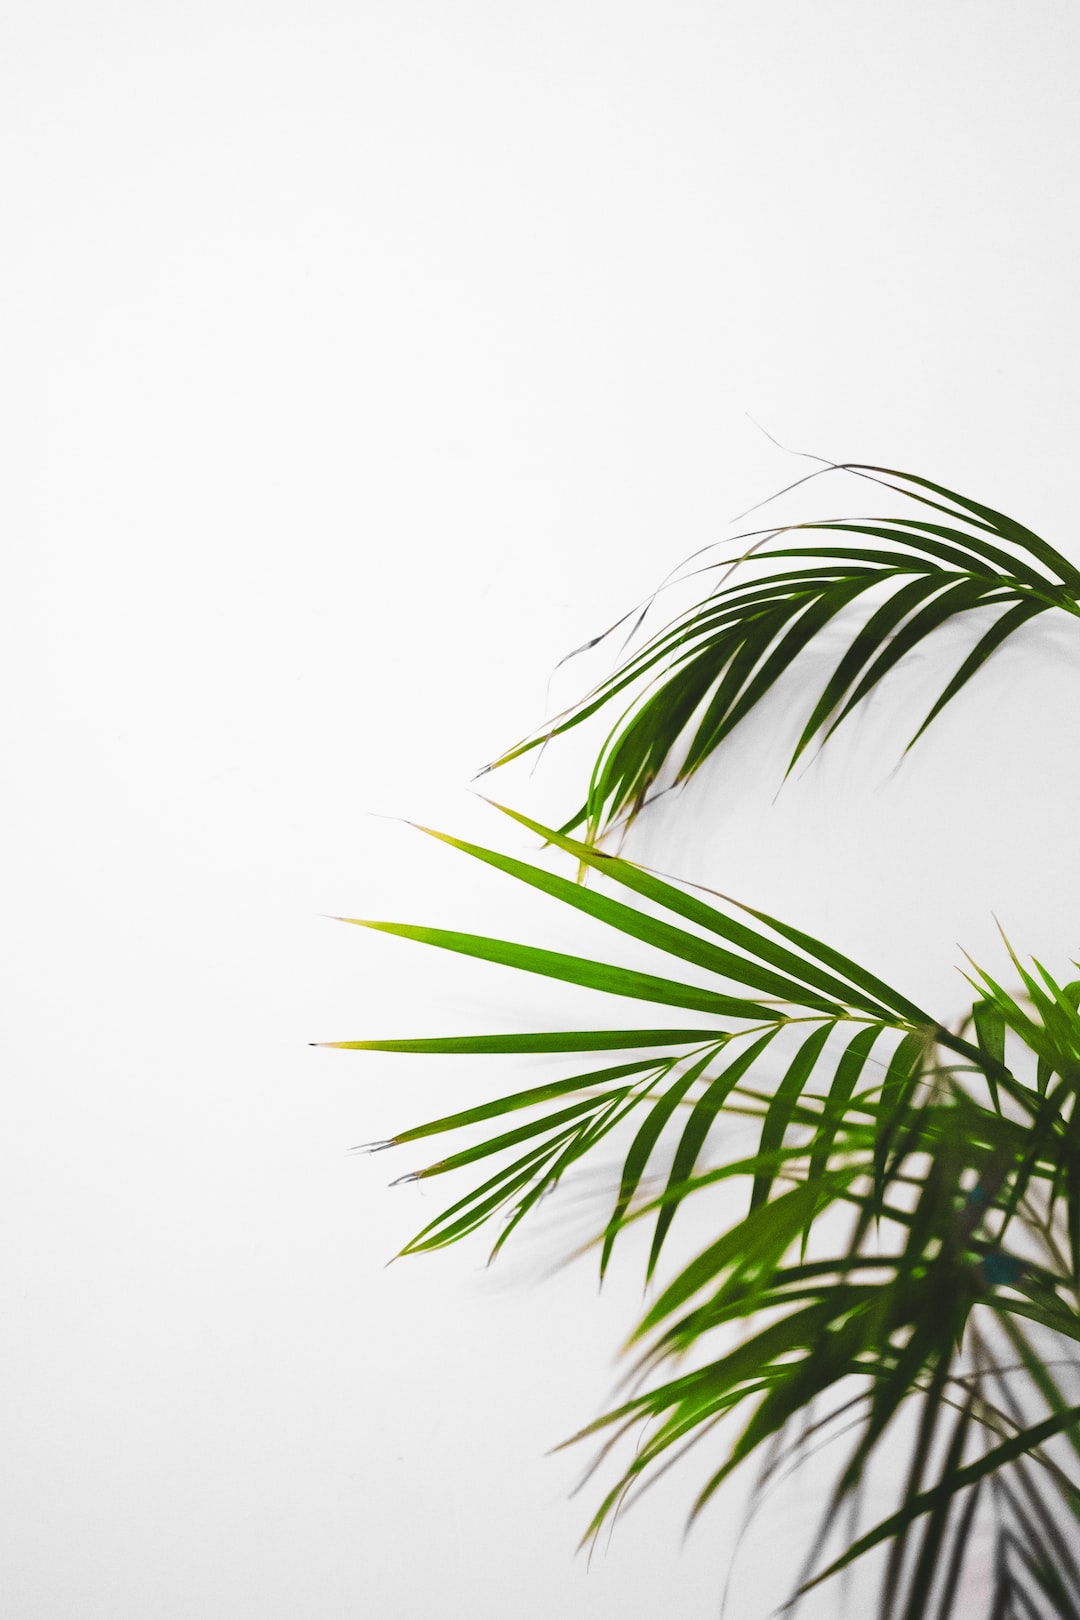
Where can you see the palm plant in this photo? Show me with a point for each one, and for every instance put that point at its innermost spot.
(908, 1239)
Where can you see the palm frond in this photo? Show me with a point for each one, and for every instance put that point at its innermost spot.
(765, 988)
(700, 676)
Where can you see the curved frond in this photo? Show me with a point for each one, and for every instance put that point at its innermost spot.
(699, 677)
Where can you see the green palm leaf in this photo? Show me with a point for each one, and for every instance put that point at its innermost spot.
(704, 673)
(812, 983)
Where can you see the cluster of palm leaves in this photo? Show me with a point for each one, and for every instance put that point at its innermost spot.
(904, 1223)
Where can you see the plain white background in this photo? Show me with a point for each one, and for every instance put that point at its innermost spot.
(359, 360)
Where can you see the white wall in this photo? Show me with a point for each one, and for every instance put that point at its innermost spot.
(358, 361)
